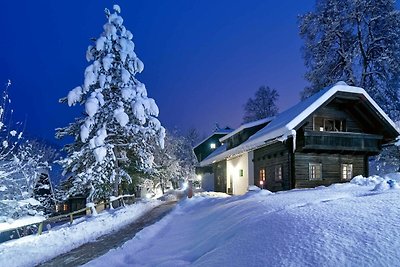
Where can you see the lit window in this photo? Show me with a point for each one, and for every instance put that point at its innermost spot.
(262, 177)
(213, 146)
(315, 171)
(347, 171)
(278, 173)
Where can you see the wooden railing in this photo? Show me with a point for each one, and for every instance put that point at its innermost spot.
(344, 141)
(38, 227)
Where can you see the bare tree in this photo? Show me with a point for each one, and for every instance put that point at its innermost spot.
(262, 106)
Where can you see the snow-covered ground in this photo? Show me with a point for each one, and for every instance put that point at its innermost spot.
(352, 224)
(12, 224)
(34, 249)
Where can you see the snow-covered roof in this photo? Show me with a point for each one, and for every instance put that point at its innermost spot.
(245, 126)
(226, 130)
(216, 153)
(285, 123)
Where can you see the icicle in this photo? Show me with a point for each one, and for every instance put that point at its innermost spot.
(294, 133)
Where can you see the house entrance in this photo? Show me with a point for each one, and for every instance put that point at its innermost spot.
(230, 185)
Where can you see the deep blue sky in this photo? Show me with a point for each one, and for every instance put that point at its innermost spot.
(203, 59)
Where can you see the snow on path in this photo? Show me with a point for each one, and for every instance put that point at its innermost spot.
(37, 249)
(340, 225)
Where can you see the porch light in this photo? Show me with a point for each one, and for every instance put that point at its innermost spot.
(213, 146)
(199, 177)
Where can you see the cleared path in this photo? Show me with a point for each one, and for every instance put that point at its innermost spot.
(103, 244)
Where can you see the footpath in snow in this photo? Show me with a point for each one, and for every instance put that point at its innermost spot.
(38, 249)
(352, 224)
(103, 244)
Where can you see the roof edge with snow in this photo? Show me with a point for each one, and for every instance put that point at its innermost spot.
(284, 124)
(246, 126)
(219, 131)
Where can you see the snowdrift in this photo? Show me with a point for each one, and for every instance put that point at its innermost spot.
(352, 224)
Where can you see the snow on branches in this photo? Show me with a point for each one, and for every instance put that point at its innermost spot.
(119, 116)
(356, 42)
(20, 165)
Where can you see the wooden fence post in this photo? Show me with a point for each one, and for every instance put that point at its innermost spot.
(40, 228)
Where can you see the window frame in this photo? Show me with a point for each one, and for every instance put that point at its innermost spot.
(278, 173)
(338, 124)
(261, 177)
(344, 171)
(313, 170)
(261, 174)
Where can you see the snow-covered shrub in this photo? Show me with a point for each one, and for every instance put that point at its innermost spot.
(20, 163)
(366, 181)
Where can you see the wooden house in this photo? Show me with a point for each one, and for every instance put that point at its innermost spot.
(324, 139)
(202, 150)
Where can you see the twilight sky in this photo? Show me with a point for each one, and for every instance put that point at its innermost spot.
(203, 59)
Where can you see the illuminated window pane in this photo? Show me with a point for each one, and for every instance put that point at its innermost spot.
(315, 171)
(347, 171)
(278, 173)
(261, 176)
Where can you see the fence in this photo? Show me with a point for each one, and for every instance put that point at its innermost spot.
(38, 227)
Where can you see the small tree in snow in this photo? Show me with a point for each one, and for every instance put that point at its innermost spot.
(168, 165)
(186, 154)
(262, 106)
(119, 117)
(9, 136)
(175, 163)
(19, 165)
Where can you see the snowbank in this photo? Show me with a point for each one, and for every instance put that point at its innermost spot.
(11, 224)
(389, 181)
(37, 249)
(341, 225)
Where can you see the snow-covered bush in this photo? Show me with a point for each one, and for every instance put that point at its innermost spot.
(175, 163)
(120, 118)
(20, 162)
(388, 181)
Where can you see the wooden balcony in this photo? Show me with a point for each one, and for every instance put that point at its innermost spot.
(340, 141)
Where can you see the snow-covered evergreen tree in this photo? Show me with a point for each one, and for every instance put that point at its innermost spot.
(263, 105)
(43, 192)
(356, 41)
(119, 116)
